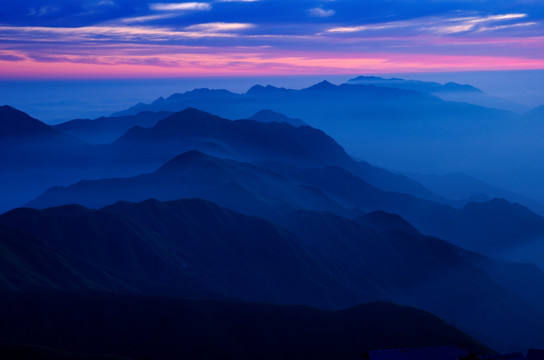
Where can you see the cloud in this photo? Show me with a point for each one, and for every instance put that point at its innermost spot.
(351, 29)
(8, 57)
(219, 27)
(458, 25)
(180, 6)
(147, 18)
(121, 34)
(320, 12)
(43, 10)
(446, 25)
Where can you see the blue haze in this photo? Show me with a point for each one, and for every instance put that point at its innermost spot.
(54, 101)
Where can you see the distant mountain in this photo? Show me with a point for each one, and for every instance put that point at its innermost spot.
(271, 116)
(416, 85)
(61, 159)
(107, 129)
(248, 140)
(450, 91)
(147, 327)
(243, 139)
(195, 248)
(393, 127)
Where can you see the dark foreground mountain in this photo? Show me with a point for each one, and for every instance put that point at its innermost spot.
(195, 248)
(107, 129)
(147, 327)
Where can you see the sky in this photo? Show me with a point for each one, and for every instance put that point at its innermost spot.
(71, 39)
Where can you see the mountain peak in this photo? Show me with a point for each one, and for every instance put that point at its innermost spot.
(259, 90)
(323, 85)
(191, 157)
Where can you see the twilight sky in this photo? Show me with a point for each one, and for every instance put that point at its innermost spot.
(135, 38)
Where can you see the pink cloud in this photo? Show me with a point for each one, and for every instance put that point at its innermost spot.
(225, 62)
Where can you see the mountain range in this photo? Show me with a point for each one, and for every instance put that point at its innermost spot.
(311, 172)
(374, 122)
(449, 91)
(194, 216)
(194, 248)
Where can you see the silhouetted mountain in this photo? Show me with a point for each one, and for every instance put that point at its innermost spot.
(107, 129)
(416, 85)
(145, 327)
(186, 247)
(250, 141)
(271, 189)
(17, 124)
(493, 228)
(395, 128)
(420, 271)
(382, 221)
(33, 157)
(450, 91)
(464, 188)
(61, 159)
(270, 116)
(244, 139)
(239, 186)
(195, 248)
(28, 261)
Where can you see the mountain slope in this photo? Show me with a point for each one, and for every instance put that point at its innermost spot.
(450, 91)
(395, 128)
(15, 123)
(236, 185)
(186, 247)
(493, 228)
(31, 166)
(195, 248)
(251, 141)
(107, 129)
(34, 156)
(270, 116)
(145, 327)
